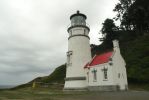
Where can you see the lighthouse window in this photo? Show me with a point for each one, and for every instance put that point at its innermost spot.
(119, 75)
(105, 73)
(69, 58)
(84, 31)
(94, 75)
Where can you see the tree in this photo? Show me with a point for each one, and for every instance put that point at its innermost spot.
(122, 7)
(108, 31)
(133, 15)
(138, 13)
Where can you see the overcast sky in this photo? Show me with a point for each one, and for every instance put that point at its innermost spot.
(33, 34)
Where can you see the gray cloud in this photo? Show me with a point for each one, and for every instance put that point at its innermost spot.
(33, 34)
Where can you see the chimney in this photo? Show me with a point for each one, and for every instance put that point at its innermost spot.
(116, 46)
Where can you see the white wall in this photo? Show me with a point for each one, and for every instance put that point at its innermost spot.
(100, 75)
(119, 68)
(76, 84)
(81, 54)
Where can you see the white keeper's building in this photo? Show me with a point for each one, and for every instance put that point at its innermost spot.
(104, 72)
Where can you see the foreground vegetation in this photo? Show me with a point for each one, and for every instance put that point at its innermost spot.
(54, 94)
(29, 93)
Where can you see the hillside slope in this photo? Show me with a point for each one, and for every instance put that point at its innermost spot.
(136, 55)
(56, 77)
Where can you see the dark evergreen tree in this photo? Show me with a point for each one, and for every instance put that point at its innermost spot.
(109, 30)
(133, 15)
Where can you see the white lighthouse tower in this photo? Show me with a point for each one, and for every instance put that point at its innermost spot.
(78, 54)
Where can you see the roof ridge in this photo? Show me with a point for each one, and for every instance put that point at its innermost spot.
(92, 60)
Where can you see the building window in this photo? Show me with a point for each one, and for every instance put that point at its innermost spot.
(94, 71)
(69, 58)
(105, 73)
(110, 63)
(88, 77)
(119, 75)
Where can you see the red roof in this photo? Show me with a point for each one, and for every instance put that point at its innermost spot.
(99, 59)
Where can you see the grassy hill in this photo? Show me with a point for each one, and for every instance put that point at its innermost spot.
(136, 55)
(56, 77)
(55, 80)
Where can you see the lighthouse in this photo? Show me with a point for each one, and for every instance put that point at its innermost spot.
(78, 54)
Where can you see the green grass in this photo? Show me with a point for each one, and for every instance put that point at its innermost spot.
(51, 94)
(139, 87)
(29, 93)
